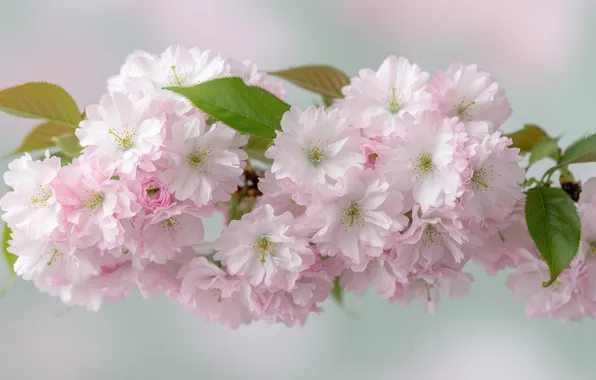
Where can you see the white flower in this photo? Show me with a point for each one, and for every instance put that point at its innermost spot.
(204, 162)
(125, 130)
(473, 96)
(31, 206)
(265, 248)
(376, 100)
(495, 184)
(429, 160)
(360, 221)
(315, 145)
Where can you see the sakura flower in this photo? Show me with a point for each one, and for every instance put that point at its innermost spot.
(495, 185)
(428, 286)
(124, 130)
(380, 273)
(114, 283)
(92, 203)
(314, 145)
(472, 95)
(135, 68)
(502, 249)
(570, 297)
(359, 222)
(376, 100)
(265, 248)
(274, 194)
(249, 72)
(432, 237)
(203, 163)
(292, 307)
(163, 233)
(55, 262)
(429, 161)
(154, 194)
(31, 205)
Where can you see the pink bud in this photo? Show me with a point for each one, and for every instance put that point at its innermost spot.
(154, 194)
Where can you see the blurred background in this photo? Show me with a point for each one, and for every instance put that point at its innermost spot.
(542, 51)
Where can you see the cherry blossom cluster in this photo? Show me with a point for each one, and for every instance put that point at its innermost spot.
(397, 185)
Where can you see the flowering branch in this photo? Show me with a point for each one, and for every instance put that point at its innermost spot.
(398, 181)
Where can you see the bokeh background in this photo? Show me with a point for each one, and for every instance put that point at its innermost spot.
(542, 51)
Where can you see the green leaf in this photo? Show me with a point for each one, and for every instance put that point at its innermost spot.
(526, 138)
(40, 100)
(256, 147)
(554, 226)
(42, 137)
(582, 150)
(322, 79)
(545, 147)
(64, 159)
(337, 293)
(10, 260)
(69, 145)
(247, 109)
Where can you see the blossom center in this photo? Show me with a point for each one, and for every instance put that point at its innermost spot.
(95, 201)
(177, 78)
(463, 110)
(353, 214)
(54, 253)
(152, 191)
(424, 163)
(316, 154)
(170, 223)
(198, 157)
(122, 138)
(392, 104)
(481, 179)
(264, 247)
(591, 254)
(41, 197)
(431, 235)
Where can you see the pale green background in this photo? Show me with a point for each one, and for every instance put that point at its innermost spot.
(543, 52)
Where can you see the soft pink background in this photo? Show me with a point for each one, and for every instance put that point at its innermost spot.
(543, 51)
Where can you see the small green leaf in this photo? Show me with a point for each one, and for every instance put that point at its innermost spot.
(69, 145)
(256, 147)
(545, 147)
(582, 150)
(554, 226)
(10, 260)
(40, 100)
(64, 159)
(322, 79)
(526, 138)
(337, 293)
(248, 109)
(42, 137)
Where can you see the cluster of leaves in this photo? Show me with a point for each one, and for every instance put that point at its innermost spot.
(551, 215)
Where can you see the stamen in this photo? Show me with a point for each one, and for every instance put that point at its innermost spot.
(264, 246)
(123, 139)
(151, 191)
(316, 154)
(198, 157)
(424, 163)
(354, 213)
(95, 201)
(175, 78)
(170, 223)
(431, 235)
(393, 104)
(43, 195)
(462, 110)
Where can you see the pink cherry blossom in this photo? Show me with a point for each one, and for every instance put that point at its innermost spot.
(154, 194)
(31, 206)
(471, 95)
(315, 145)
(376, 100)
(265, 248)
(202, 163)
(128, 131)
(360, 221)
(429, 161)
